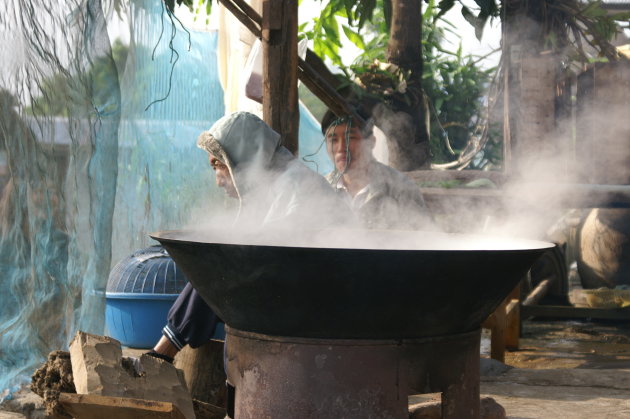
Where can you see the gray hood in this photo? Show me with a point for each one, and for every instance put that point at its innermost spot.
(242, 141)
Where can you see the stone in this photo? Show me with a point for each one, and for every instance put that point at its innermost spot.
(489, 409)
(53, 377)
(426, 410)
(96, 364)
(100, 369)
(491, 367)
(24, 404)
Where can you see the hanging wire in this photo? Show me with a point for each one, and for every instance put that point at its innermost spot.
(305, 159)
(174, 53)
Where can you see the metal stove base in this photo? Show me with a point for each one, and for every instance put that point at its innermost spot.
(283, 377)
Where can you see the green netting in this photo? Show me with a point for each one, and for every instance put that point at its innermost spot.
(99, 115)
(97, 149)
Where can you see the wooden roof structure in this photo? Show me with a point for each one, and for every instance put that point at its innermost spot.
(282, 67)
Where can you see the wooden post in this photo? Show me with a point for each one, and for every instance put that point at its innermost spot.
(280, 94)
(513, 319)
(204, 372)
(497, 339)
(504, 325)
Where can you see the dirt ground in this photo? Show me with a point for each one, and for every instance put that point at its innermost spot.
(572, 344)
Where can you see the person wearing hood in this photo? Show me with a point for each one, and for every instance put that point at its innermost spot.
(380, 196)
(274, 190)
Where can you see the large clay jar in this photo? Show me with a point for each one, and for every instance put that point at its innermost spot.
(604, 257)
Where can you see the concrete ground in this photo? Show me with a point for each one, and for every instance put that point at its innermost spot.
(566, 369)
(563, 369)
(561, 393)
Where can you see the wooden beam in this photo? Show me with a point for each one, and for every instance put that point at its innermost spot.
(538, 293)
(246, 19)
(312, 71)
(322, 70)
(498, 178)
(567, 312)
(92, 406)
(566, 195)
(512, 324)
(320, 87)
(280, 93)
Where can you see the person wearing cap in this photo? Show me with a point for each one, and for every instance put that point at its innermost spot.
(274, 190)
(380, 196)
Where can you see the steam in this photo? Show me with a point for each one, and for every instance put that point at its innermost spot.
(549, 158)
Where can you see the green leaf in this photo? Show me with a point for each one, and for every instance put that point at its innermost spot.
(348, 4)
(444, 6)
(476, 22)
(354, 37)
(331, 52)
(438, 104)
(487, 8)
(622, 16)
(366, 9)
(594, 10)
(331, 29)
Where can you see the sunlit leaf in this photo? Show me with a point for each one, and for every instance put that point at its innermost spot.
(354, 37)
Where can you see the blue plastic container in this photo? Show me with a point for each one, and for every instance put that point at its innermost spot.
(140, 290)
(136, 320)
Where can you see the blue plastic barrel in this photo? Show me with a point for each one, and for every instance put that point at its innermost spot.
(140, 290)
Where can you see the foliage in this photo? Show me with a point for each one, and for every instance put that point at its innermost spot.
(453, 83)
(56, 89)
(565, 22)
(571, 23)
(456, 88)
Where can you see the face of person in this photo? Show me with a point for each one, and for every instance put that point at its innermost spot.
(359, 148)
(223, 178)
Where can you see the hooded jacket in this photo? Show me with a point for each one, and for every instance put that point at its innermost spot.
(390, 200)
(273, 187)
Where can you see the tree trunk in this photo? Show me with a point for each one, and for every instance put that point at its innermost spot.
(409, 147)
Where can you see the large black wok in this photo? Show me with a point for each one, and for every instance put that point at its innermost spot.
(423, 284)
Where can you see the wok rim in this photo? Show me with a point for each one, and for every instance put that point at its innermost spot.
(536, 245)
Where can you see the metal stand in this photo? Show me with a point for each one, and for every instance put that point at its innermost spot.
(280, 377)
